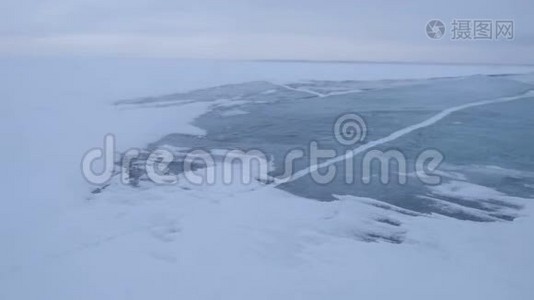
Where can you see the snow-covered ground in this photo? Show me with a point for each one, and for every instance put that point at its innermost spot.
(59, 241)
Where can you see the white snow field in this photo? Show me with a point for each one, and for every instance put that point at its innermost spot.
(60, 241)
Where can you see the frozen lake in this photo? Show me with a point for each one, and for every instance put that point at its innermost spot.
(484, 147)
(265, 239)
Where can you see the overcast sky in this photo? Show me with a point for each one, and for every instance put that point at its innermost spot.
(256, 29)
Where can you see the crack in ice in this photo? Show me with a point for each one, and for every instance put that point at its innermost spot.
(397, 134)
(314, 93)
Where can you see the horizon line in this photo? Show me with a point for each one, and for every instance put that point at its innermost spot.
(387, 62)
